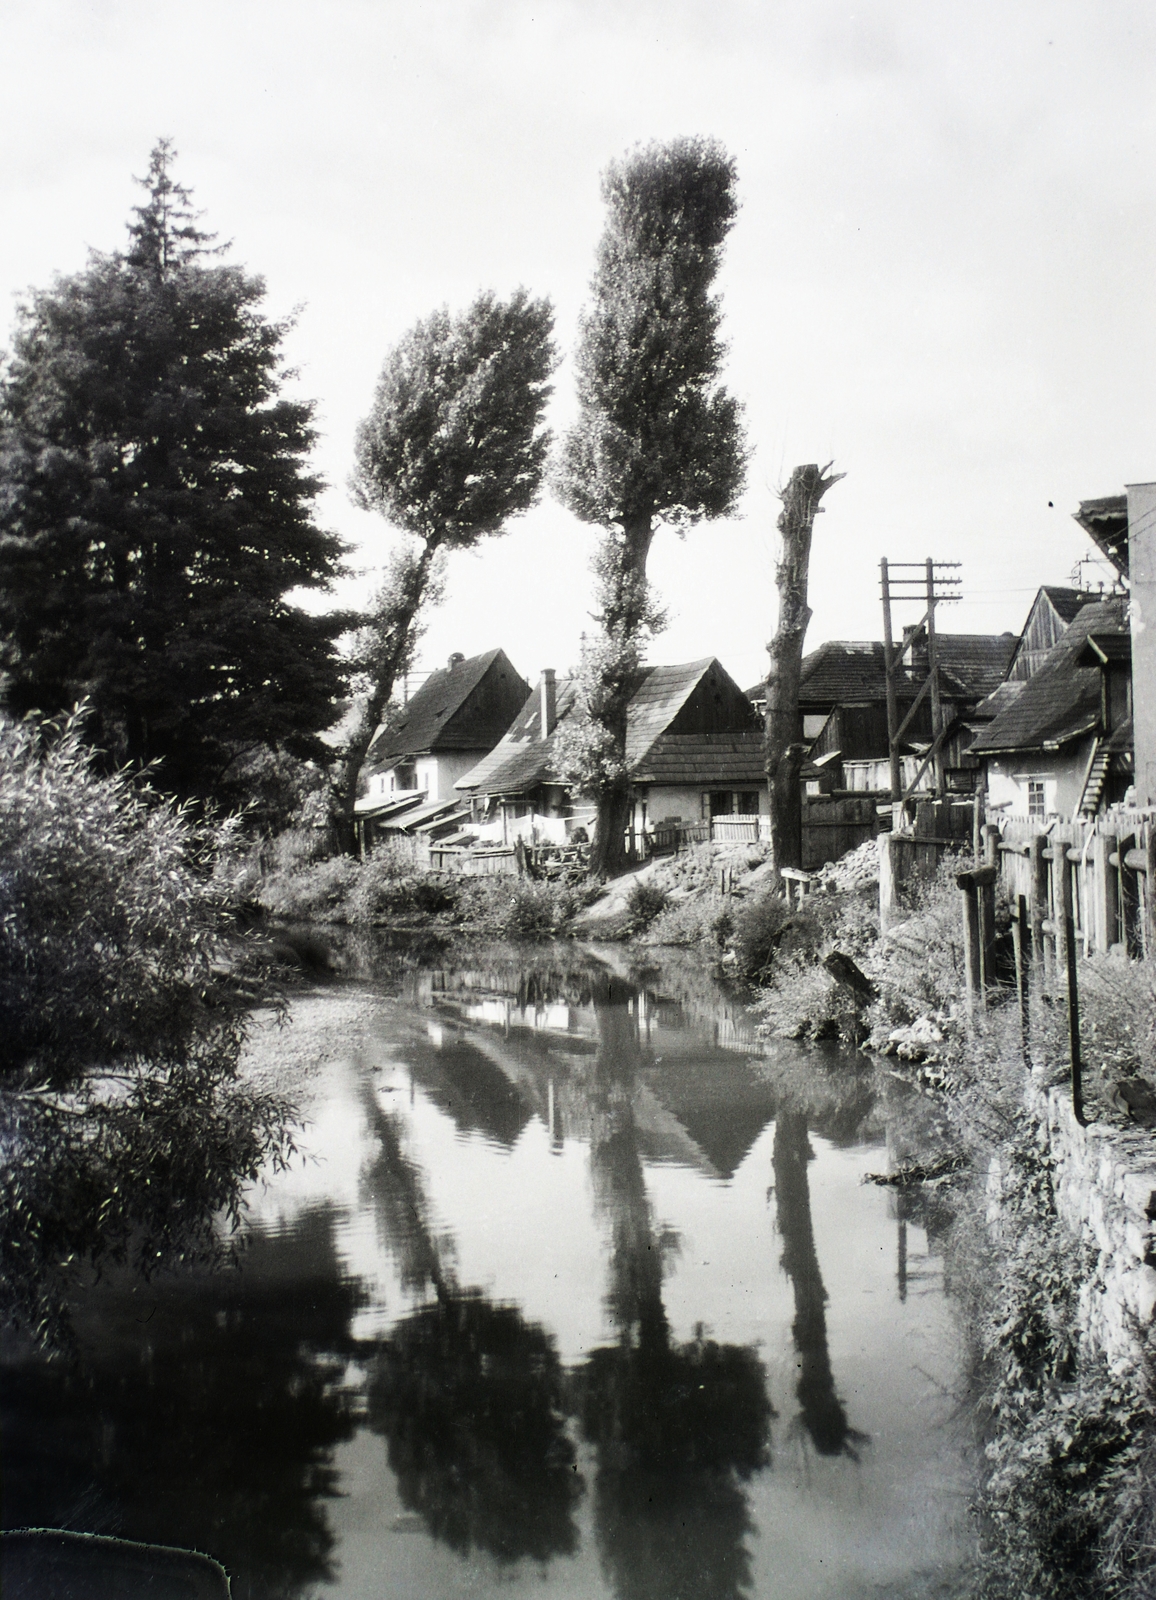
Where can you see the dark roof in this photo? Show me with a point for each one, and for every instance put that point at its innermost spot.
(851, 671)
(1066, 603)
(524, 760)
(430, 721)
(988, 709)
(1061, 702)
(1105, 521)
(703, 758)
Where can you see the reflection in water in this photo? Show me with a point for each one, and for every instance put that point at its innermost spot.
(200, 1412)
(469, 1398)
(822, 1413)
(677, 1427)
(468, 1394)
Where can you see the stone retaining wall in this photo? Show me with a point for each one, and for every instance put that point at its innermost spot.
(1105, 1184)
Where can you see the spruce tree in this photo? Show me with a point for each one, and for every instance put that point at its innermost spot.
(658, 440)
(156, 509)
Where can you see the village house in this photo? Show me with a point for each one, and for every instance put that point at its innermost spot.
(843, 703)
(454, 719)
(1060, 741)
(693, 748)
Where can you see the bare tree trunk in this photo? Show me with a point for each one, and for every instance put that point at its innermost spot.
(784, 747)
(608, 847)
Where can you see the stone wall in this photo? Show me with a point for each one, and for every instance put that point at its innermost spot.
(1105, 1183)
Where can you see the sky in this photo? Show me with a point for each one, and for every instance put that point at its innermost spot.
(940, 278)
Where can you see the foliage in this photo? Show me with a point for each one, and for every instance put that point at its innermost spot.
(701, 919)
(452, 449)
(314, 891)
(769, 931)
(656, 435)
(156, 510)
(124, 989)
(644, 902)
(657, 438)
(515, 908)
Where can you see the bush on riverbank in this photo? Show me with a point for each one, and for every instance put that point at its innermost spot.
(125, 985)
(383, 889)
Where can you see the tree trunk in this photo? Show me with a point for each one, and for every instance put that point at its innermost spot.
(784, 747)
(389, 659)
(608, 849)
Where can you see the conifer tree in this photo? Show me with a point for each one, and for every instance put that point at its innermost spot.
(156, 509)
(658, 440)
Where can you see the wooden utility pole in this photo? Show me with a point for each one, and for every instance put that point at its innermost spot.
(784, 747)
(939, 584)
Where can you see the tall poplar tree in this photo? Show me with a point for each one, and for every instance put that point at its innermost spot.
(156, 509)
(658, 440)
(452, 449)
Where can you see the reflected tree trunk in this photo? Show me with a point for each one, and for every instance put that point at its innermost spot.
(822, 1412)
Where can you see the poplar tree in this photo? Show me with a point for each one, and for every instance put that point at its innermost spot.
(156, 510)
(658, 441)
(452, 449)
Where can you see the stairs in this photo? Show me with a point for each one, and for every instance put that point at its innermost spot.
(1095, 779)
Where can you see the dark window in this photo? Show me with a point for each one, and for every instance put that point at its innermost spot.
(1035, 797)
(747, 805)
(720, 803)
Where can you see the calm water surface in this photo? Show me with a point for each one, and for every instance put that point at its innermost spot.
(579, 1293)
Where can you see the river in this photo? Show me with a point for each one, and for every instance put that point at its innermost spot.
(576, 1291)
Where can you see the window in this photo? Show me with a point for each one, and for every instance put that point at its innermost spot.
(405, 777)
(747, 805)
(1036, 798)
(720, 803)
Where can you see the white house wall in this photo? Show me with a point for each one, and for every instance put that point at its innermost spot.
(1062, 772)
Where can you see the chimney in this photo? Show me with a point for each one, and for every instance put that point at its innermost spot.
(548, 701)
(455, 660)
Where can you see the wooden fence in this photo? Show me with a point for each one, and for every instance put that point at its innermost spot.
(1104, 867)
(911, 854)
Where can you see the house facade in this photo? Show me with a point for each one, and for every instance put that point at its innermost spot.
(1060, 741)
(457, 716)
(693, 748)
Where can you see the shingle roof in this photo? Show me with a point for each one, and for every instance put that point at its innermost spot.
(427, 722)
(699, 759)
(851, 671)
(523, 759)
(1067, 602)
(1061, 702)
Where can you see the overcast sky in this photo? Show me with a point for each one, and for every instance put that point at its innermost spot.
(942, 275)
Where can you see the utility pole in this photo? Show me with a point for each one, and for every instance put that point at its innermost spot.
(939, 583)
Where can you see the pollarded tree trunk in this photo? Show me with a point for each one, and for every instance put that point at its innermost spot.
(784, 747)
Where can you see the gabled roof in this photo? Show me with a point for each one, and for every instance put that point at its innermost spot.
(851, 671)
(524, 760)
(1067, 603)
(438, 718)
(1061, 702)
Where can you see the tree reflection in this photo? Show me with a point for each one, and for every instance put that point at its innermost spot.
(677, 1427)
(468, 1394)
(822, 1412)
(200, 1412)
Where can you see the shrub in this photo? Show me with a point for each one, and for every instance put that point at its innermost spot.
(124, 989)
(644, 902)
(515, 908)
(768, 930)
(703, 919)
(315, 891)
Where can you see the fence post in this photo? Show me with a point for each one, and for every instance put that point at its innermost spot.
(972, 966)
(990, 844)
(1039, 895)
(1020, 941)
(1107, 897)
(1069, 923)
(888, 885)
(1150, 892)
